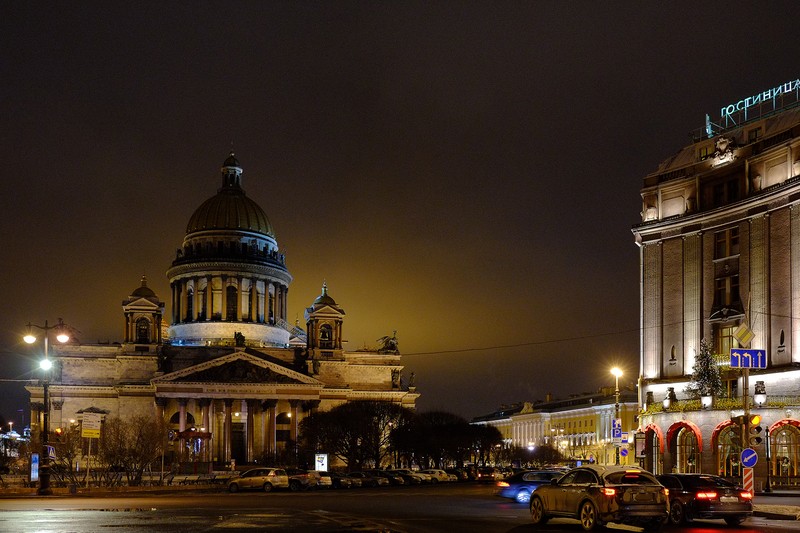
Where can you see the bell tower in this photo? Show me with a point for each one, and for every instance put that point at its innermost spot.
(324, 326)
(143, 312)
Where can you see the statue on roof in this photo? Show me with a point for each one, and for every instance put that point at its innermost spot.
(389, 344)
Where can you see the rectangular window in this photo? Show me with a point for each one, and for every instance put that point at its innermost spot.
(753, 135)
(726, 243)
(726, 291)
(724, 339)
(704, 152)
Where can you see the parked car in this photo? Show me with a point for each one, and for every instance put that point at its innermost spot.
(381, 480)
(265, 479)
(364, 480)
(339, 481)
(488, 474)
(300, 479)
(437, 475)
(461, 475)
(324, 480)
(393, 477)
(409, 476)
(520, 485)
(596, 495)
(705, 496)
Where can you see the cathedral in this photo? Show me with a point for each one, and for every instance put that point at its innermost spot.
(227, 373)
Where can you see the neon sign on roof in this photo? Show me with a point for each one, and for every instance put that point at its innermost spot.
(737, 112)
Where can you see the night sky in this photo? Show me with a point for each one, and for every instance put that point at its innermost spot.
(465, 173)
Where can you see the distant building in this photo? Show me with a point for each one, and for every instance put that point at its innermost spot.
(228, 374)
(719, 249)
(579, 426)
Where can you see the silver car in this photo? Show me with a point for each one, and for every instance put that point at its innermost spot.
(265, 479)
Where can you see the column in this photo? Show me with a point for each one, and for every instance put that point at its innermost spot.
(253, 300)
(195, 299)
(269, 412)
(239, 286)
(295, 404)
(250, 428)
(160, 404)
(226, 430)
(182, 317)
(174, 289)
(205, 452)
(182, 427)
(224, 293)
(209, 297)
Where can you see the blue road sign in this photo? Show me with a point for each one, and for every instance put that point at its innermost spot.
(741, 358)
(749, 458)
(623, 452)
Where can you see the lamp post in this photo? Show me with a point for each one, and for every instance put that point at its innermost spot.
(617, 373)
(46, 364)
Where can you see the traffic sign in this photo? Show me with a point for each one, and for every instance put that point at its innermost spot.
(623, 452)
(748, 358)
(747, 480)
(749, 457)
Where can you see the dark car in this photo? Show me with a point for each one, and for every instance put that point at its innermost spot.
(706, 496)
(520, 485)
(487, 474)
(339, 481)
(596, 495)
(300, 479)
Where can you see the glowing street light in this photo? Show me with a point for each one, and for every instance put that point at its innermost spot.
(617, 373)
(46, 364)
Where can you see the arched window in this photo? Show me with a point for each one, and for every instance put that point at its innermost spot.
(785, 458)
(687, 451)
(729, 451)
(232, 296)
(143, 331)
(654, 459)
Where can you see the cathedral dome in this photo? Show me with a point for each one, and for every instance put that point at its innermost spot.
(230, 208)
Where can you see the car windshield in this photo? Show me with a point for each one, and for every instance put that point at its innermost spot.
(540, 476)
(628, 477)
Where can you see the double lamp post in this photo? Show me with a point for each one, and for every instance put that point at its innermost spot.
(46, 364)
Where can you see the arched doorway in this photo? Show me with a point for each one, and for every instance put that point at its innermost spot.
(728, 450)
(685, 443)
(654, 449)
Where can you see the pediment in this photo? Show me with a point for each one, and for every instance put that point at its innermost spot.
(140, 303)
(237, 368)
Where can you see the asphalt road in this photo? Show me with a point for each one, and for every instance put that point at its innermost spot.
(462, 508)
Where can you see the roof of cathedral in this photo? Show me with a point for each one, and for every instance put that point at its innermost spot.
(144, 291)
(230, 208)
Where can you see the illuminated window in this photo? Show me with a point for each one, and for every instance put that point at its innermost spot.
(785, 460)
(143, 331)
(723, 338)
(726, 243)
(729, 450)
(688, 453)
(704, 152)
(753, 135)
(726, 291)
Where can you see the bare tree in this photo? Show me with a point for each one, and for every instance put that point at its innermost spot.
(132, 445)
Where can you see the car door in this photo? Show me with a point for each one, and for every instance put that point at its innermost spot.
(557, 494)
(578, 489)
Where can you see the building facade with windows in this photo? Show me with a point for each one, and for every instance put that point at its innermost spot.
(719, 246)
(227, 374)
(578, 426)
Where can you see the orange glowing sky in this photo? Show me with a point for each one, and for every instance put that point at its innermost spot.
(466, 173)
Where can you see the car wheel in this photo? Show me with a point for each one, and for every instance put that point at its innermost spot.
(233, 487)
(588, 516)
(267, 487)
(434, 480)
(734, 520)
(294, 485)
(677, 513)
(538, 517)
(523, 496)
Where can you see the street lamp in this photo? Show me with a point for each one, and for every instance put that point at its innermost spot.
(46, 364)
(617, 373)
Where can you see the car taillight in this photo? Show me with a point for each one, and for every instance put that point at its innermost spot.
(502, 484)
(746, 495)
(706, 495)
(608, 492)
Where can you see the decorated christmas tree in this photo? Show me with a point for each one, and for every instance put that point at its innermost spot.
(706, 377)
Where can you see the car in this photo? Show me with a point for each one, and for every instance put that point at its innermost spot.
(596, 495)
(519, 486)
(300, 479)
(461, 475)
(488, 474)
(366, 480)
(437, 475)
(338, 481)
(324, 480)
(409, 476)
(706, 496)
(265, 479)
(393, 477)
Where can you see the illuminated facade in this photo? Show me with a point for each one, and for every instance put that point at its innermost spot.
(579, 426)
(230, 377)
(719, 248)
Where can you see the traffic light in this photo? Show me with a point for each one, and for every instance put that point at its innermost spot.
(754, 430)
